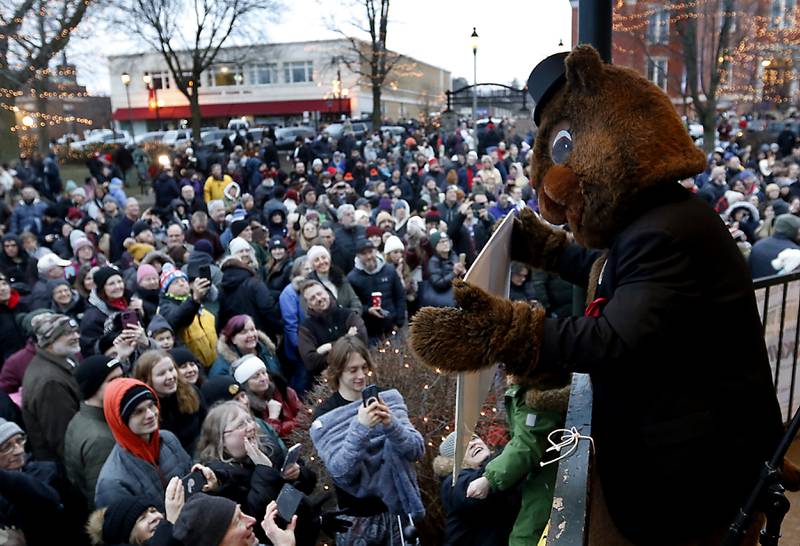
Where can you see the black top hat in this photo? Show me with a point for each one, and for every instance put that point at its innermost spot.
(546, 78)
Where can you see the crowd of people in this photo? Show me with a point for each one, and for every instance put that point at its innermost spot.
(146, 347)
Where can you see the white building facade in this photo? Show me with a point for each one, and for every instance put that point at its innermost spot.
(271, 83)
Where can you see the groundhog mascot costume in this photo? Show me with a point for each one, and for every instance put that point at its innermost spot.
(684, 408)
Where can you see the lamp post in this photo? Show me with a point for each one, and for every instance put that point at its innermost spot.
(474, 37)
(148, 81)
(126, 81)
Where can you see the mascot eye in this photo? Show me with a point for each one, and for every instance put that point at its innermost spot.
(562, 146)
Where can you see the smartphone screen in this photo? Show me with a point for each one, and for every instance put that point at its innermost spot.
(204, 272)
(292, 457)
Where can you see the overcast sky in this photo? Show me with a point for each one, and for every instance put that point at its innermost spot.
(514, 35)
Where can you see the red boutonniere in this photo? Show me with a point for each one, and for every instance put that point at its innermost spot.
(595, 309)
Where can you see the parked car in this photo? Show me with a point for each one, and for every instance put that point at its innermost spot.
(213, 138)
(174, 137)
(111, 137)
(336, 130)
(284, 137)
(398, 131)
(150, 136)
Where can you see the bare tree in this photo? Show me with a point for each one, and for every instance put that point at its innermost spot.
(704, 58)
(190, 33)
(32, 32)
(370, 59)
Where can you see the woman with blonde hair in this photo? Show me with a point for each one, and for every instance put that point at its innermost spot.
(249, 466)
(182, 408)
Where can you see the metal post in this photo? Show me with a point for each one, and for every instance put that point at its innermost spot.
(474, 85)
(594, 26)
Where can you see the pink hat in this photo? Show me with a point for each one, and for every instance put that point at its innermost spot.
(145, 270)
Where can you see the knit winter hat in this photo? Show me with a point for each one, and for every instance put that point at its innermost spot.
(383, 216)
(448, 446)
(246, 367)
(101, 277)
(432, 216)
(787, 225)
(91, 373)
(373, 231)
(204, 520)
(204, 245)
(393, 243)
(182, 355)
(145, 270)
(316, 251)
(238, 226)
(237, 245)
(80, 243)
(140, 226)
(415, 226)
(121, 516)
(132, 398)
(8, 429)
(168, 274)
(221, 388)
(437, 236)
(48, 327)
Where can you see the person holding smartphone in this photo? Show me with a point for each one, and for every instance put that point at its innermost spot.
(369, 447)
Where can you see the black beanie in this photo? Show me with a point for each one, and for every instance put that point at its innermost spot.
(121, 516)
(182, 355)
(138, 227)
(204, 520)
(91, 373)
(238, 226)
(101, 277)
(131, 399)
(221, 388)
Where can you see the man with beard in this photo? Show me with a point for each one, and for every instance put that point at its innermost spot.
(52, 396)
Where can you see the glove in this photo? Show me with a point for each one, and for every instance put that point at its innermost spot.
(535, 243)
(484, 331)
(331, 523)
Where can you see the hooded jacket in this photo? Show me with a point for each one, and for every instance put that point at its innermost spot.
(227, 354)
(97, 311)
(243, 293)
(87, 444)
(135, 467)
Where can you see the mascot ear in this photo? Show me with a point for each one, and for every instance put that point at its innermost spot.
(584, 69)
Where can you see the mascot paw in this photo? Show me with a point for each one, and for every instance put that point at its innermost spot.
(535, 243)
(484, 331)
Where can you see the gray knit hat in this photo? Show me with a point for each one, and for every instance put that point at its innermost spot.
(448, 446)
(48, 327)
(8, 429)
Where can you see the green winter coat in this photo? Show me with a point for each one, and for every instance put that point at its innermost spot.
(87, 443)
(532, 415)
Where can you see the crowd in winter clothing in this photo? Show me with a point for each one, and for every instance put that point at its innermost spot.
(145, 345)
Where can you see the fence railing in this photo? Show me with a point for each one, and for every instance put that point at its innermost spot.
(778, 300)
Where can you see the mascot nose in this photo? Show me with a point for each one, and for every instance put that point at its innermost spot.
(558, 189)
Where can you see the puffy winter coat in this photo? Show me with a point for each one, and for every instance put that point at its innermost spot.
(125, 474)
(193, 324)
(243, 293)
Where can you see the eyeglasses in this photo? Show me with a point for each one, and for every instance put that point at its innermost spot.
(8, 447)
(241, 426)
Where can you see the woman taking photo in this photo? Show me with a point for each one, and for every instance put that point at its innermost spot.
(249, 465)
(107, 297)
(270, 397)
(443, 267)
(182, 412)
(240, 338)
(145, 458)
(332, 278)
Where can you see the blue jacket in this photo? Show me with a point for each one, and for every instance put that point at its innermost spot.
(766, 250)
(292, 314)
(125, 474)
(28, 217)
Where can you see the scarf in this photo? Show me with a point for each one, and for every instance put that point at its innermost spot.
(118, 303)
(124, 436)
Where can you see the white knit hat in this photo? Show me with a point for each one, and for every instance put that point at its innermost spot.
(315, 251)
(246, 367)
(392, 243)
(238, 244)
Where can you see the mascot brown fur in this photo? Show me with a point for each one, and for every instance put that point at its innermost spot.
(684, 409)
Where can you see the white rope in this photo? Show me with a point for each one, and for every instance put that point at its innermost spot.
(569, 437)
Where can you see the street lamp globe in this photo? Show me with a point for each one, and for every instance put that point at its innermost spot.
(474, 38)
(147, 79)
(126, 79)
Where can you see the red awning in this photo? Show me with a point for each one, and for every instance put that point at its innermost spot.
(237, 109)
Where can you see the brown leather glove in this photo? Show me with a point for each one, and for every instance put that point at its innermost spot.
(535, 243)
(484, 331)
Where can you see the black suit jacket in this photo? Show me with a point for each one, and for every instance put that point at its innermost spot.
(684, 407)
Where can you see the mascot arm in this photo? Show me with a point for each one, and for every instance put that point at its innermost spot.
(653, 304)
(535, 243)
